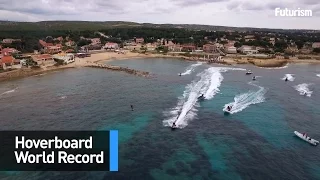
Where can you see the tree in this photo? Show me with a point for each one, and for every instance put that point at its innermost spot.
(162, 48)
(49, 39)
(83, 42)
(224, 42)
(316, 50)
(237, 44)
(299, 44)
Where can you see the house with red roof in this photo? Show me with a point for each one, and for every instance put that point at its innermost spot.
(139, 40)
(8, 51)
(316, 45)
(42, 43)
(53, 49)
(69, 51)
(49, 47)
(9, 62)
(188, 47)
(209, 48)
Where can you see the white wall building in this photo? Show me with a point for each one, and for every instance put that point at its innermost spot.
(247, 50)
(111, 46)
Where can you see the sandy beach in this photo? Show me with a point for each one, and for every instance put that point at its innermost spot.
(97, 59)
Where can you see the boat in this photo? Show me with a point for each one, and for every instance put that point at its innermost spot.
(248, 72)
(286, 79)
(306, 138)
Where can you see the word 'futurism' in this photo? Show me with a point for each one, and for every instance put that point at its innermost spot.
(293, 13)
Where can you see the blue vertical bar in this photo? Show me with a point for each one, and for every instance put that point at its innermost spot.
(113, 150)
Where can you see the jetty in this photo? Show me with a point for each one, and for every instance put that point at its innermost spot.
(118, 68)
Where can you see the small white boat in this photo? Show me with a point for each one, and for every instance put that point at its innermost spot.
(306, 138)
(248, 72)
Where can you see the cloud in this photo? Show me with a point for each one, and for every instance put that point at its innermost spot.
(9, 15)
(46, 7)
(196, 2)
(255, 13)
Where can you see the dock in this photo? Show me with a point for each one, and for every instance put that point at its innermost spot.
(118, 68)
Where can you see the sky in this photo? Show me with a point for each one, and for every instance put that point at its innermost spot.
(236, 13)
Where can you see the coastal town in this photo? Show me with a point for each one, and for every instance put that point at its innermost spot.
(258, 48)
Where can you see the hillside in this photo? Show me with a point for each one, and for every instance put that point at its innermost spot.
(95, 25)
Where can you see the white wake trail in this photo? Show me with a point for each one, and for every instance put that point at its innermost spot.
(318, 75)
(303, 89)
(289, 76)
(242, 101)
(209, 83)
(191, 68)
(8, 92)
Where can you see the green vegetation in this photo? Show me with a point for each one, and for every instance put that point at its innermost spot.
(120, 32)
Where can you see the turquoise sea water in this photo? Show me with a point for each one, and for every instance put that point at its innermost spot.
(256, 142)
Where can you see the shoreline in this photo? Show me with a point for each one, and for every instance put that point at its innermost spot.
(99, 59)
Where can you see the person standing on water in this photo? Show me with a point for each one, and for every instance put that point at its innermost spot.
(131, 107)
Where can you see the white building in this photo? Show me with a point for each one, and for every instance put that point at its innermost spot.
(248, 50)
(231, 50)
(67, 58)
(151, 47)
(111, 46)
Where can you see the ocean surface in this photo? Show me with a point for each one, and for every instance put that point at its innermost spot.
(254, 141)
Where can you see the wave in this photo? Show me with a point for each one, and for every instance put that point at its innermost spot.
(318, 75)
(242, 101)
(191, 68)
(8, 92)
(209, 83)
(62, 97)
(303, 89)
(289, 76)
(282, 67)
(40, 74)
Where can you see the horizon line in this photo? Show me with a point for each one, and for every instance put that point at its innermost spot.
(162, 24)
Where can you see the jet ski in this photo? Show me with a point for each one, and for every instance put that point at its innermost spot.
(227, 110)
(248, 72)
(174, 126)
(254, 78)
(306, 138)
(201, 98)
(180, 74)
(286, 79)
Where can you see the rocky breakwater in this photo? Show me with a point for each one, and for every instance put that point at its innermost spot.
(118, 68)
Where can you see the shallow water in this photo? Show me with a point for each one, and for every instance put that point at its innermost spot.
(254, 143)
